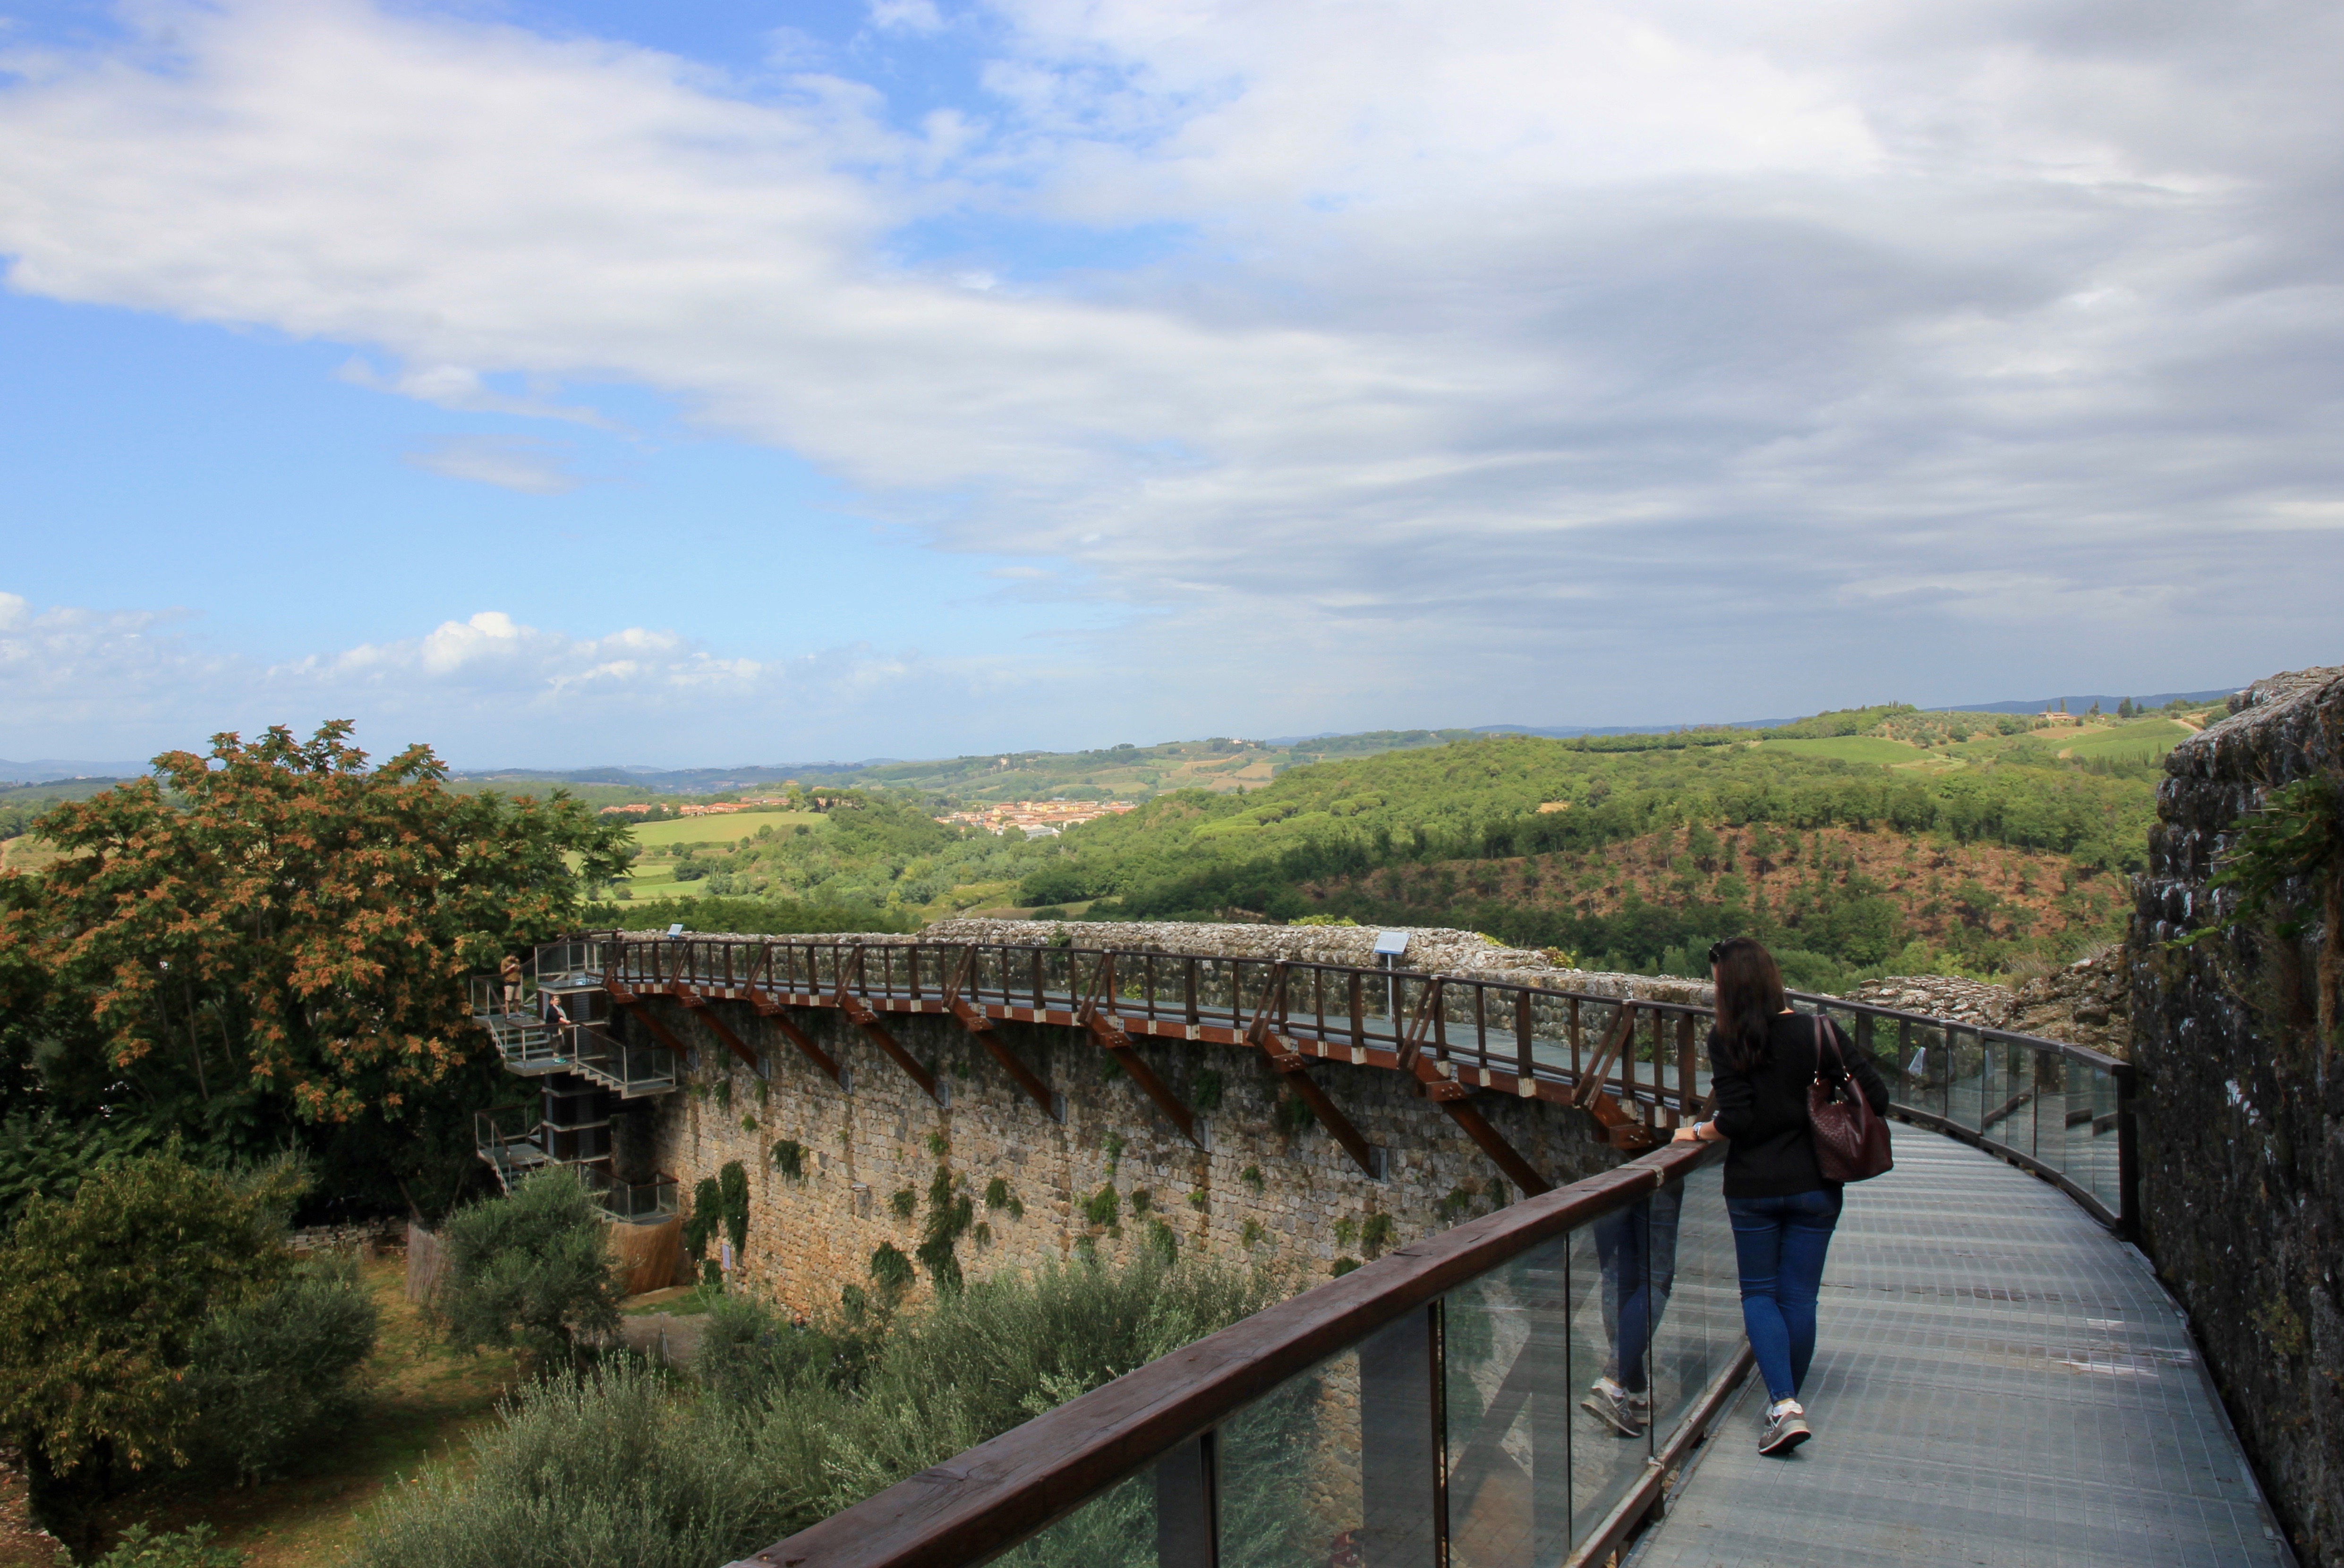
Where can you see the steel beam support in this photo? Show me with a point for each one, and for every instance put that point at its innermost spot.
(1291, 1065)
(1518, 1170)
(716, 1026)
(1025, 1077)
(777, 1015)
(1108, 1029)
(862, 1018)
(620, 997)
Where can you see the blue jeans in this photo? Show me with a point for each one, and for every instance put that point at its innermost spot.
(1637, 1247)
(1780, 1244)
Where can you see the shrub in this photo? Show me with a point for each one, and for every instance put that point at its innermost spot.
(609, 1465)
(732, 1188)
(1103, 1208)
(191, 1548)
(707, 1213)
(789, 1159)
(527, 1269)
(271, 1372)
(891, 1269)
(103, 1299)
(619, 1465)
(950, 1212)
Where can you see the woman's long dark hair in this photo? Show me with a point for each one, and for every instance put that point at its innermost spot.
(1749, 995)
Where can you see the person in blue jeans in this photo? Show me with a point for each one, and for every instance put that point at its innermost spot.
(1636, 1248)
(1762, 1057)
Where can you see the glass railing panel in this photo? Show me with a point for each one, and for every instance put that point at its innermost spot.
(1965, 1071)
(2104, 1138)
(2050, 1107)
(1116, 1528)
(2019, 1127)
(1695, 1294)
(1510, 1413)
(1291, 1472)
(1605, 1462)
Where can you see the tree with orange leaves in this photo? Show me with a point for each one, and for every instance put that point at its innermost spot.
(269, 944)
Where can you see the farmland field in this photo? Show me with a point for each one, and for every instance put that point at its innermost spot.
(723, 829)
(2141, 738)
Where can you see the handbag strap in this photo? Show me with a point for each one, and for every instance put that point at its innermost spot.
(1825, 1037)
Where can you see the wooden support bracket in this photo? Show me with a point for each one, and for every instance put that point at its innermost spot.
(860, 1016)
(641, 1014)
(1453, 1097)
(777, 1015)
(1518, 1170)
(1291, 1064)
(977, 1024)
(1624, 1133)
(1108, 1029)
(716, 1026)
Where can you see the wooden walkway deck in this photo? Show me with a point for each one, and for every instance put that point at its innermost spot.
(1998, 1382)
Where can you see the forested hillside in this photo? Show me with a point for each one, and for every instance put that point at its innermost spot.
(1837, 840)
(1865, 840)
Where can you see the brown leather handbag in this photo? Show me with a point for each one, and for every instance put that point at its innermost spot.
(1851, 1142)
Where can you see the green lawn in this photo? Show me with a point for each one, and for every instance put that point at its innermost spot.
(422, 1400)
(2140, 738)
(723, 829)
(1851, 749)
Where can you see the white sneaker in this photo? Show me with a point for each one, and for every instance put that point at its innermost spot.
(1624, 1413)
(1786, 1427)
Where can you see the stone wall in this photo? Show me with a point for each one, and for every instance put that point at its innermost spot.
(1254, 1192)
(2241, 1106)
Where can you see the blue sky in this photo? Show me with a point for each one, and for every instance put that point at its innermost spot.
(564, 384)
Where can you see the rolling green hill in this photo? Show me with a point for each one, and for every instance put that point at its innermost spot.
(1871, 838)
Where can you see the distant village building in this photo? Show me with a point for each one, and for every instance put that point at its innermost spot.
(1039, 819)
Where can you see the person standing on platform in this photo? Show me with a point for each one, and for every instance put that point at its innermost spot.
(1762, 1055)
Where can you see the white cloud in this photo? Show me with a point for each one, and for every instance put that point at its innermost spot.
(484, 690)
(1497, 326)
(525, 463)
(906, 16)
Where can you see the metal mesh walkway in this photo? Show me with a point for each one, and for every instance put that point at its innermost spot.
(1999, 1380)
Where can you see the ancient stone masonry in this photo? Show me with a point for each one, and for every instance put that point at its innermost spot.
(2241, 1103)
(1433, 949)
(2087, 1002)
(1261, 1182)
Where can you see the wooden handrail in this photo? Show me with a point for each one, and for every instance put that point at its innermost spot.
(1003, 1491)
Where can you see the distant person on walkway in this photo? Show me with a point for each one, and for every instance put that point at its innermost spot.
(509, 972)
(1762, 1057)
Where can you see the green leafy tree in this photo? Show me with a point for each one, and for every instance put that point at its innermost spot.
(529, 1268)
(270, 941)
(103, 1301)
(273, 1371)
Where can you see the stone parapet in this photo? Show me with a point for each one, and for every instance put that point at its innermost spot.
(2241, 1103)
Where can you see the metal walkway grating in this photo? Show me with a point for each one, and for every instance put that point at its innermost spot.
(1998, 1382)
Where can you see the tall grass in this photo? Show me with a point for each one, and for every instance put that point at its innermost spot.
(784, 1425)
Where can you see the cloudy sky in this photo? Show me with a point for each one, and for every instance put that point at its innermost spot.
(570, 381)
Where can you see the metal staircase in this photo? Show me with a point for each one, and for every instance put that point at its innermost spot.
(555, 1027)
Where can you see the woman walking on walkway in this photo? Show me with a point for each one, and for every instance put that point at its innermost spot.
(1761, 1058)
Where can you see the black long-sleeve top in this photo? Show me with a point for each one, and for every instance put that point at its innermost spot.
(1765, 1111)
